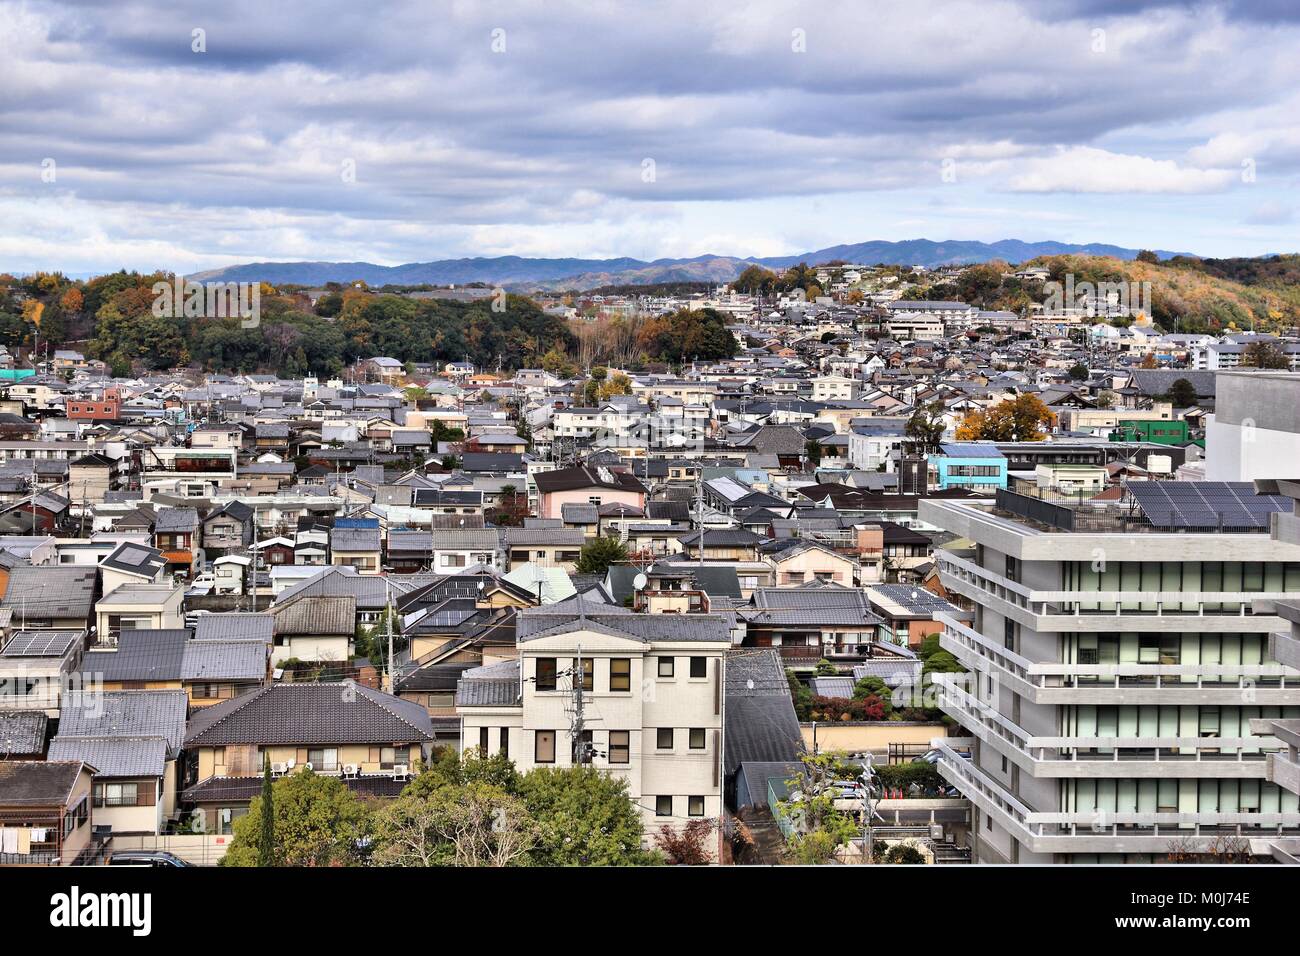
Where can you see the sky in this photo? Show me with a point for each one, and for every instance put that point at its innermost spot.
(188, 136)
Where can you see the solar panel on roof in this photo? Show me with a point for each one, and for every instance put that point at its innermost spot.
(1185, 505)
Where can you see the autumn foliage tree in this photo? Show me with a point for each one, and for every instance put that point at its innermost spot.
(1023, 418)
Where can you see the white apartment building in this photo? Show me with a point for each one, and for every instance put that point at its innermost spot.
(1255, 429)
(1117, 662)
(652, 694)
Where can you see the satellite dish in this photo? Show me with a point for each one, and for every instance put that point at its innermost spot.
(640, 581)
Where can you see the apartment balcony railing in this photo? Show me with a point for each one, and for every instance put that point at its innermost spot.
(1104, 830)
(1051, 610)
(1129, 683)
(1096, 756)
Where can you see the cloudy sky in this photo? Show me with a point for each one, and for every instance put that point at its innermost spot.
(191, 135)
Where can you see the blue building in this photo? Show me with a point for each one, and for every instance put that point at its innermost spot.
(977, 466)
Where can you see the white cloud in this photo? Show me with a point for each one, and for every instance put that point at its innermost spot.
(1086, 169)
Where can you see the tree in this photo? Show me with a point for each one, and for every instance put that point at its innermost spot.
(687, 846)
(598, 554)
(755, 280)
(1182, 393)
(318, 821)
(1022, 418)
(1146, 255)
(927, 425)
(266, 842)
(585, 818)
(1079, 372)
(1264, 355)
(474, 824)
(820, 828)
(904, 853)
(813, 451)
(1105, 398)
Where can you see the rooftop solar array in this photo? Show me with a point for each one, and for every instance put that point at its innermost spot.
(1188, 505)
(970, 450)
(40, 643)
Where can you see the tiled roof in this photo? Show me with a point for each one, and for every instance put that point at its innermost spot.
(125, 713)
(300, 714)
(153, 655)
(114, 756)
(22, 732)
(496, 685)
(40, 783)
(312, 615)
(224, 660)
(41, 593)
(235, 626)
(548, 621)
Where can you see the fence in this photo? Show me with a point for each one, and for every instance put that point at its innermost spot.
(199, 849)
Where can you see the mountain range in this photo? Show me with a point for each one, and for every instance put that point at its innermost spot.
(518, 273)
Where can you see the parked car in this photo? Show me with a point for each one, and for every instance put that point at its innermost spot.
(145, 858)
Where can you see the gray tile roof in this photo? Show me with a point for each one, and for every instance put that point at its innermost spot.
(570, 537)
(300, 714)
(114, 756)
(224, 660)
(313, 615)
(125, 713)
(354, 539)
(235, 626)
(176, 520)
(759, 718)
(37, 783)
(140, 655)
(546, 621)
(496, 685)
(43, 593)
(22, 732)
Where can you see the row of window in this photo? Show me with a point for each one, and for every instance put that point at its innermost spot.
(620, 671)
(694, 806)
(619, 748)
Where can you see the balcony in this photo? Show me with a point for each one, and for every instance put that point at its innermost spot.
(1092, 757)
(1100, 611)
(1056, 683)
(1104, 831)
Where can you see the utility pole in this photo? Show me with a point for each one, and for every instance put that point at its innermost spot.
(868, 809)
(578, 725)
(699, 514)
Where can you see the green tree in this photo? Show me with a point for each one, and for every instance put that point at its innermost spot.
(820, 828)
(926, 427)
(1182, 393)
(755, 280)
(318, 821)
(585, 818)
(1079, 372)
(266, 842)
(473, 824)
(598, 554)
(1264, 355)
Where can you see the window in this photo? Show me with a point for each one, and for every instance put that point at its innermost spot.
(1009, 629)
(588, 672)
(620, 746)
(699, 667)
(696, 738)
(695, 806)
(663, 806)
(620, 673)
(116, 794)
(323, 759)
(666, 665)
(544, 747)
(586, 747)
(546, 673)
(387, 758)
(505, 741)
(482, 741)
(664, 738)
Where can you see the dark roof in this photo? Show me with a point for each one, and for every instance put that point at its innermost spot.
(491, 461)
(127, 713)
(37, 783)
(243, 789)
(494, 685)
(44, 593)
(564, 617)
(22, 732)
(235, 625)
(759, 719)
(135, 559)
(586, 476)
(114, 756)
(433, 677)
(151, 655)
(284, 714)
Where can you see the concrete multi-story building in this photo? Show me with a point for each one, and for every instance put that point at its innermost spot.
(1116, 660)
(651, 703)
(1255, 429)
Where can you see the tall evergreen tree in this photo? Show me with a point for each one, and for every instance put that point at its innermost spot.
(266, 848)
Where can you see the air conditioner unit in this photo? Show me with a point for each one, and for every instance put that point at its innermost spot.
(401, 771)
(279, 769)
(936, 832)
(351, 770)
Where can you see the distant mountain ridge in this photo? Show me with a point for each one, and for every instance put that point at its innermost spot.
(517, 272)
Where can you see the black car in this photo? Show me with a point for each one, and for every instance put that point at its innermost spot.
(145, 858)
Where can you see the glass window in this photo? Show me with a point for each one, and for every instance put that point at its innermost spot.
(699, 667)
(323, 759)
(697, 738)
(588, 672)
(666, 666)
(620, 673)
(663, 806)
(664, 738)
(544, 747)
(695, 806)
(546, 673)
(620, 746)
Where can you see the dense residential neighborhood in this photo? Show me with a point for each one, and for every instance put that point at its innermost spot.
(883, 580)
